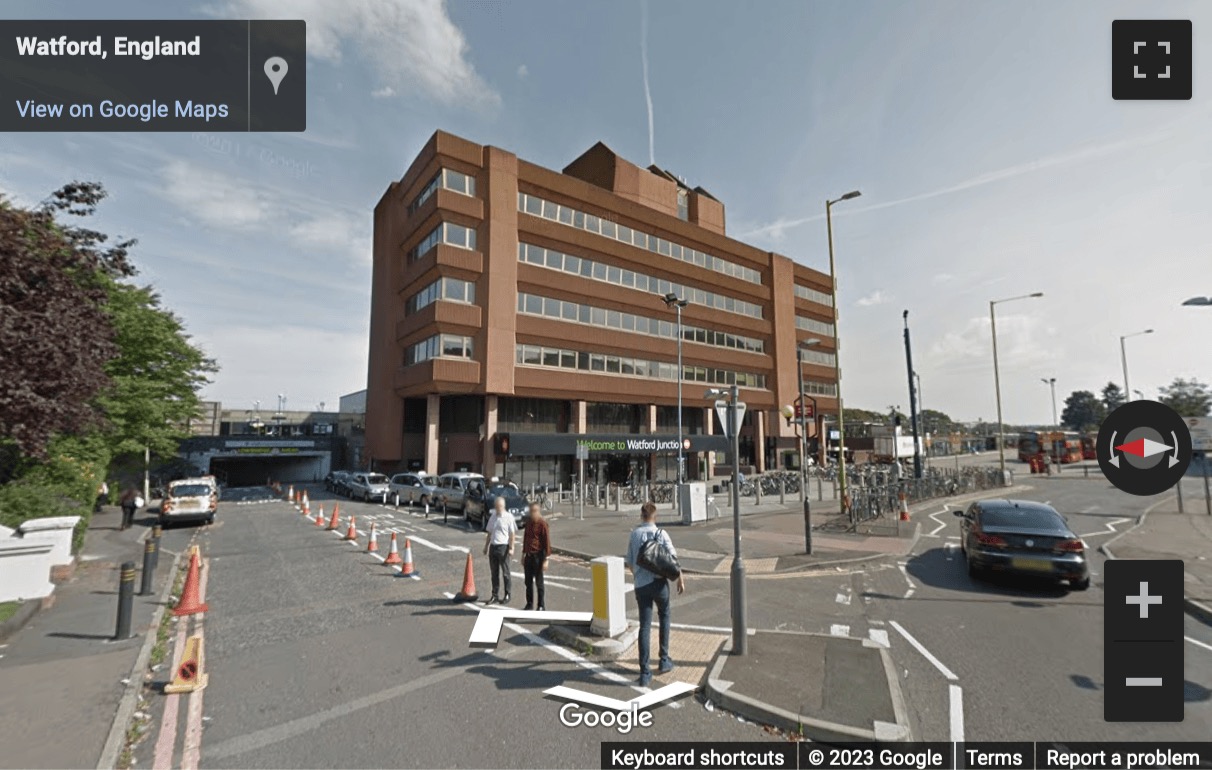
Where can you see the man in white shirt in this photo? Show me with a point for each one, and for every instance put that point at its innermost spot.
(498, 545)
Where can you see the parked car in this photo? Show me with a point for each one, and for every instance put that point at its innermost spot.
(190, 500)
(367, 487)
(341, 483)
(451, 489)
(1023, 537)
(480, 501)
(413, 488)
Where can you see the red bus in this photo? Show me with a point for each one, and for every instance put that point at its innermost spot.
(1061, 446)
(1088, 450)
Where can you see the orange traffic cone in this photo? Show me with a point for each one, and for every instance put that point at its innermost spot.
(191, 601)
(320, 517)
(373, 544)
(290, 494)
(352, 532)
(306, 505)
(393, 556)
(333, 523)
(904, 507)
(408, 570)
(468, 594)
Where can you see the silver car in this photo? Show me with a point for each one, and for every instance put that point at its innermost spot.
(413, 488)
(368, 487)
(452, 488)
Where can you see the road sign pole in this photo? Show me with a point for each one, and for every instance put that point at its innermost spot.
(739, 632)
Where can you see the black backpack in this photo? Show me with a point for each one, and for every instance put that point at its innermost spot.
(655, 557)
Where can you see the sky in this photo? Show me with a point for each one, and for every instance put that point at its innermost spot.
(991, 158)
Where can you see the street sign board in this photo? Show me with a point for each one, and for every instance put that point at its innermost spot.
(1201, 433)
(721, 410)
(582, 452)
(805, 409)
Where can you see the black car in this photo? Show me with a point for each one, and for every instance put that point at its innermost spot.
(480, 501)
(1023, 537)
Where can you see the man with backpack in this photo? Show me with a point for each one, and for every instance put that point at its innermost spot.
(653, 562)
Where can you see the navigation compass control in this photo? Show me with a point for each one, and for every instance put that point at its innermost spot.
(1144, 447)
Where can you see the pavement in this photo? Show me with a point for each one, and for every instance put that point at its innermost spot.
(1165, 533)
(62, 676)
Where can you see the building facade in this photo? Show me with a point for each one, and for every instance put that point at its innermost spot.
(515, 308)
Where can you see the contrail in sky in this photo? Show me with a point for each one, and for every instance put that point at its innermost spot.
(647, 90)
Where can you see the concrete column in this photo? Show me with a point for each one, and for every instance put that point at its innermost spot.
(582, 417)
(432, 404)
(709, 429)
(609, 605)
(759, 441)
(652, 418)
(490, 429)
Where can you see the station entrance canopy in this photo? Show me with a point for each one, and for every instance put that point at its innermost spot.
(529, 444)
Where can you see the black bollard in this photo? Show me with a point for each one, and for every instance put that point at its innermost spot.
(807, 527)
(149, 566)
(126, 600)
(156, 532)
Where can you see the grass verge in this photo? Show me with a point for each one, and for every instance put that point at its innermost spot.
(8, 609)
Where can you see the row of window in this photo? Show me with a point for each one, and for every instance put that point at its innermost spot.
(452, 289)
(448, 233)
(534, 355)
(813, 325)
(819, 357)
(437, 346)
(812, 295)
(596, 316)
(600, 271)
(816, 388)
(445, 178)
(568, 216)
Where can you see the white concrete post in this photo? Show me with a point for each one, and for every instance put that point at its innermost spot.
(609, 605)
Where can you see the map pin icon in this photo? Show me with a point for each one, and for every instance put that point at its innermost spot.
(275, 70)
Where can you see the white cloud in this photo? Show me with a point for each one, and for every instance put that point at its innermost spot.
(876, 297)
(1023, 341)
(227, 202)
(523, 71)
(943, 278)
(412, 45)
(383, 93)
(777, 229)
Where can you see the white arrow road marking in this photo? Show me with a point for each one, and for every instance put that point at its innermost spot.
(925, 653)
(941, 524)
(879, 636)
(1110, 530)
(487, 630)
(646, 700)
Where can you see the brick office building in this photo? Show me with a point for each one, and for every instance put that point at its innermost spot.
(515, 308)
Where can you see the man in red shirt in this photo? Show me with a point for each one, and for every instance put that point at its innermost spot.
(536, 547)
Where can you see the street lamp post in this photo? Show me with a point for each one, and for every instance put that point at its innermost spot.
(997, 382)
(1051, 381)
(739, 633)
(804, 345)
(841, 420)
(674, 301)
(1123, 355)
(921, 408)
(917, 446)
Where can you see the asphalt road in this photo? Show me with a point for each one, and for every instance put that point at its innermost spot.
(320, 656)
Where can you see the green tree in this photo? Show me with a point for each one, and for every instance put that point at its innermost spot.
(937, 422)
(156, 374)
(1083, 411)
(1190, 398)
(1113, 397)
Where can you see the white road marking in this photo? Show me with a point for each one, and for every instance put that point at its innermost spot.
(904, 567)
(427, 544)
(1110, 530)
(566, 654)
(839, 630)
(941, 524)
(843, 599)
(1198, 643)
(546, 582)
(691, 627)
(949, 546)
(879, 636)
(925, 653)
(957, 714)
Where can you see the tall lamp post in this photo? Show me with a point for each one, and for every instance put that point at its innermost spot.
(917, 445)
(921, 408)
(1051, 382)
(1123, 356)
(997, 382)
(739, 634)
(674, 301)
(841, 420)
(799, 360)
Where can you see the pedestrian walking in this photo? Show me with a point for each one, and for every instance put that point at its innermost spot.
(536, 547)
(652, 589)
(498, 545)
(130, 502)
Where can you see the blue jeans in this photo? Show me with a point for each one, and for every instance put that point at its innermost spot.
(656, 592)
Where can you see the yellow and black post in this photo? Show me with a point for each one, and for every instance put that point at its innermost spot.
(150, 547)
(126, 600)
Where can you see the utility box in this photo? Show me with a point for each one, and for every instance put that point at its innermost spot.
(609, 605)
(693, 502)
